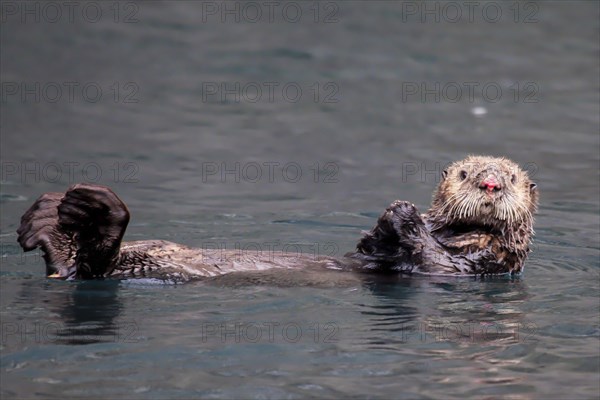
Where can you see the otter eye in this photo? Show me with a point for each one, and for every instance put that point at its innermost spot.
(513, 178)
(463, 175)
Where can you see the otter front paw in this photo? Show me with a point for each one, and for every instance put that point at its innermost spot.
(405, 217)
(396, 230)
(402, 207)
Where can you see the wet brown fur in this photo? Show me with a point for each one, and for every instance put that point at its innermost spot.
(467, 229)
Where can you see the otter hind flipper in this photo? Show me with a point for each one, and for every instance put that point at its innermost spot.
(40, 228)
(97, 218)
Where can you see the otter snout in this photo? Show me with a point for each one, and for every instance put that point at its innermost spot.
(491, 184)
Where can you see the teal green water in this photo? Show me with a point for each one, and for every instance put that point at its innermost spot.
(305, 175)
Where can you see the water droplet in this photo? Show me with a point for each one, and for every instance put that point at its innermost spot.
(479, 111)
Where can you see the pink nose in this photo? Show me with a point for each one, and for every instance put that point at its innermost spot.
(490, 183)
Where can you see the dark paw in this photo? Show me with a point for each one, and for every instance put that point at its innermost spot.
(97, 219)
(405, 217)
(92, 208)
(39, 221)
(39, 228)
(403, 209)
(392, 234)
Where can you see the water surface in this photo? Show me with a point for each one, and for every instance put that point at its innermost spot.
(294, 336)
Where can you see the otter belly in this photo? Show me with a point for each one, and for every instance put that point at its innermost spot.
(167, 260)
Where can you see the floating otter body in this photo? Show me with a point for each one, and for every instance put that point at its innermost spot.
(480, 222)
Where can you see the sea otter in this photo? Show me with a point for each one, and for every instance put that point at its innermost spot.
(480, 222)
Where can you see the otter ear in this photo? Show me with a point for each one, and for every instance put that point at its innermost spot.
(444, 174)
(532, 187)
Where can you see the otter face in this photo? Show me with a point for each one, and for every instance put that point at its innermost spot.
(485, 190)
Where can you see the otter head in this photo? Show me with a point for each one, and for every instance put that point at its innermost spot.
(485, 191)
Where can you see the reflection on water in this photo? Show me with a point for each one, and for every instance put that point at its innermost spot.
(77, 313)
(468, 311)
